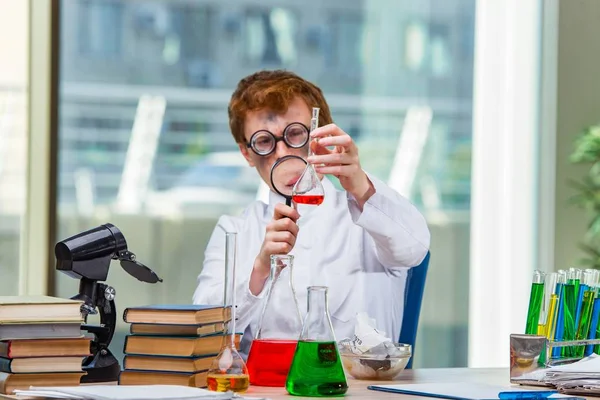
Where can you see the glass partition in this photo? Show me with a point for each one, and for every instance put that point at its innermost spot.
(155, 77)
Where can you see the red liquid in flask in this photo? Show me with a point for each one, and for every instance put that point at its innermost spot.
(270, 360)
(313, 200)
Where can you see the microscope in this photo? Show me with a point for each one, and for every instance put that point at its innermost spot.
(87, 256)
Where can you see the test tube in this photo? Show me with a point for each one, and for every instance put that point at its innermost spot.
(560, 325)
(549, 289)
(550, 328)
(594, 328)
(584, 321)
(594, 331)
(574, 278)
(583, 287)
(569, 309)
(535, 303)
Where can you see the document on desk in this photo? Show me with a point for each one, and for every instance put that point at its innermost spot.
(140, 392)
(471, 391)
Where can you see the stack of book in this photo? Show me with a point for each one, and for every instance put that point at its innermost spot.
(173, 344)
(41, 343)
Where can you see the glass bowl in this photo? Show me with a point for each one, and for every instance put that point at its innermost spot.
(375, 365)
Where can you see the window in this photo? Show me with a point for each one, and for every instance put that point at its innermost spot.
(270, 37)
(13, 138)
(100, 28)
(377, 70)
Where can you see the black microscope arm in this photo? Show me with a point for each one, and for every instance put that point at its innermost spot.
(108, 319)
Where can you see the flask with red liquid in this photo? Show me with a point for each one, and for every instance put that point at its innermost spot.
(279, 327)
(308, 189)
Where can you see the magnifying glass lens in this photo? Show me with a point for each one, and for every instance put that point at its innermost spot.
(286, 173)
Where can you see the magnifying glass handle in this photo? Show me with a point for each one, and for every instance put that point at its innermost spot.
(288, 201)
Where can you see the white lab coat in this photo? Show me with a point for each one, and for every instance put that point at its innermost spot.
(362, 257)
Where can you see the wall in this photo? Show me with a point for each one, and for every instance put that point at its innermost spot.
(578, 105)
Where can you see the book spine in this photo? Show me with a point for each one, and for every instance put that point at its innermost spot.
(5, 349)
(5, 365)
(125, 344)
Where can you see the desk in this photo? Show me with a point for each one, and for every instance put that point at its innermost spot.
(358, 389)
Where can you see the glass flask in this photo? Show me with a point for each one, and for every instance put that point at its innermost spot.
(317, 370)
(308, 189)
(228, 372)
(274, 344)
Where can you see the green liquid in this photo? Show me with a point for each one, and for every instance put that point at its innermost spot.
(316, 371)
(575, 282)
(584, 321)
(535, 305)
(569, 321)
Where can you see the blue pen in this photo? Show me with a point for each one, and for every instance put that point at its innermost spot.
(532, 395)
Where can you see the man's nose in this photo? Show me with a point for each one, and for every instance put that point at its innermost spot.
(281, 149)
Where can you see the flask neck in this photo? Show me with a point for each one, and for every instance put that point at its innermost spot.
(317, 300)
(317, 324)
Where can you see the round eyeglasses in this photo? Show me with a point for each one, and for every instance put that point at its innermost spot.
(263, 142)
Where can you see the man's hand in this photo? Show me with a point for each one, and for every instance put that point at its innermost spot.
(280, 238)
(342, 161)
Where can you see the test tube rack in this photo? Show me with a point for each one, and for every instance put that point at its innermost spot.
(529, 353)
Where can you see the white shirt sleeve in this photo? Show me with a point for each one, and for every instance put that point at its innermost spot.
(211, 279)
(398, 229)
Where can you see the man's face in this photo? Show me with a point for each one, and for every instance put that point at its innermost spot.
(267, 120)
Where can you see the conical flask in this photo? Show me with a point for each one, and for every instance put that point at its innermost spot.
(228, 372)
(308, 189)
(317, 368)
(279, 327)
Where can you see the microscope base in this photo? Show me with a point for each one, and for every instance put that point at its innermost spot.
(101, 367)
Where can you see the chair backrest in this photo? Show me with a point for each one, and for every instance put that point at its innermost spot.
(413, 297)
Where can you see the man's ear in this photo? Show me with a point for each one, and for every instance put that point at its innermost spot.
(246, 153)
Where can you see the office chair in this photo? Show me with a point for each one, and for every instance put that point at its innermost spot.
(413, 296)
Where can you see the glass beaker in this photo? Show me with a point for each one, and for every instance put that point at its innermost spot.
(308, 189)
(228, 371)
(279, 327)
(317, 368)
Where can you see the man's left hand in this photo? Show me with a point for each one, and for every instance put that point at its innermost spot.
(342, 161)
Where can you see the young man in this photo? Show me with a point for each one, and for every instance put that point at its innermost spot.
(359, 242)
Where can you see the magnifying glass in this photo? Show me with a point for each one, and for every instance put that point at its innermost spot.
(285, 173)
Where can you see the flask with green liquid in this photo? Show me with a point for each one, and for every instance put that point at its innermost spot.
(316, 369)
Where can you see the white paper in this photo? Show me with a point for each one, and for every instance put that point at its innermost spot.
(113, 392)
(367, 337)
(586, 368)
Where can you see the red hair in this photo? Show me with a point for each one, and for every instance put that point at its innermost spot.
(272, 90)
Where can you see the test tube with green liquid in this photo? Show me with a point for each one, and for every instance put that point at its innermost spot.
(535, 303)
(594, 328)
(574, 277)
(570, 306)
(583, 287)
(584, 320)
